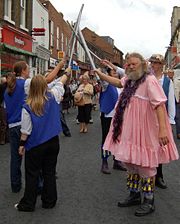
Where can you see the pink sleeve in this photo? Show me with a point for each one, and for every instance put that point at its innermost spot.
(155, 92)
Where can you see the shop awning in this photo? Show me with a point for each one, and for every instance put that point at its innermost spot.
(18, 50)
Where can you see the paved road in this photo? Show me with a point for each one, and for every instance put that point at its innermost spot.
(87, 196)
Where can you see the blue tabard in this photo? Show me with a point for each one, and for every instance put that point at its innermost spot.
(15, 102)
(108, 99)
(46, 126)
(165, 87)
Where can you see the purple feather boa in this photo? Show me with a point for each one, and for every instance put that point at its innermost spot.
(128, 91)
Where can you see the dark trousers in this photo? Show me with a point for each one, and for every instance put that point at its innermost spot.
(177, 118)
(3, 125)
(16, 159)
(84, 113)
(65, 128)
(41, 158)
(105, 125)
(159, 171)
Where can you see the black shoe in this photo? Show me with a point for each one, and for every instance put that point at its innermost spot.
(23, 208)
(160, 183)
(133, 199)
(146, 208)
(105, 168)
(48, 206)
(118, 166)
(68, 134)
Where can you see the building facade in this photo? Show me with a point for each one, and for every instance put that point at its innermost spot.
(40, 22)
(172, 55)
(16, 40)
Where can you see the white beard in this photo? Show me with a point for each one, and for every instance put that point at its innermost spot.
(134, 75)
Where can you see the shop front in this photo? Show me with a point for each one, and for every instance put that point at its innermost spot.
(15, 46)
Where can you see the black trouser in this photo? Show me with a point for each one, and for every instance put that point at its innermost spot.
(159, 171)
(41, 158)
(3, 125)
(105, 125)
(65, 128)
(84, 113)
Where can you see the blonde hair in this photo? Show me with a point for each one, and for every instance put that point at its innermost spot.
(86, 76)
(37, 94)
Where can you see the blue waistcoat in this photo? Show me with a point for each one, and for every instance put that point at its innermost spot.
(46, 126)
(15, 102)
(108, 99)
(165, 87)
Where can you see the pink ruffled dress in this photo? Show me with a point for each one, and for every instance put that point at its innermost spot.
(138, 142)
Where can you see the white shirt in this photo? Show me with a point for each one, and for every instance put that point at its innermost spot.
(57, 90)
(171, 100)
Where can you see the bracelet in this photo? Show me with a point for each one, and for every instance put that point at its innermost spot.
(22, 142)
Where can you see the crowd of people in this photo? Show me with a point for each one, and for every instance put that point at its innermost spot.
(138, 104)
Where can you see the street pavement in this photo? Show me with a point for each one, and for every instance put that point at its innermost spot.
(85, 195)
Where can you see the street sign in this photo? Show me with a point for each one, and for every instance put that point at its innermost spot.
(60, 54)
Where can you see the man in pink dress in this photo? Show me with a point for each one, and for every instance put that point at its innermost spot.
(140, 134)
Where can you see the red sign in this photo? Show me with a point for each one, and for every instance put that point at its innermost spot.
(38, 29)
(16, 38)
(38, 32)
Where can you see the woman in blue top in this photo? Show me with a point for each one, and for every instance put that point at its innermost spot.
(39, 140)
(14, 97)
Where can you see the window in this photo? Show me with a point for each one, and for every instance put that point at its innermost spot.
(9, 10)
(66, 42)
(23, 3)
(62, 42)
(42, 26)
(23, 13)
(52, 33)
(57, 39)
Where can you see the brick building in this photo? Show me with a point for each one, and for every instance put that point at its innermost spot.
(16, 25)
(59, 33)
(103, 47)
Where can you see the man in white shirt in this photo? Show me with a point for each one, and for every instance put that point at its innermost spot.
(174, 75)
(157, 62)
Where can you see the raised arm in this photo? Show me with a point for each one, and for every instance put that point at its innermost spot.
(109, 64)
(66, 75)
(52, 75)
(114, 81)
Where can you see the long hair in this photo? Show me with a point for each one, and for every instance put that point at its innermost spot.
(129, 90)
(37, 94)
(18, 67)
(11, 82)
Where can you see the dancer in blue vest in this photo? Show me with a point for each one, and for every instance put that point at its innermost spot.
(108, 98)
(174, 75)
(14, 97)
(39, 140)
(157, 62)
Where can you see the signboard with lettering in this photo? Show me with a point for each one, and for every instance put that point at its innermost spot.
(60, 54)
(16, 38)
(38, 32)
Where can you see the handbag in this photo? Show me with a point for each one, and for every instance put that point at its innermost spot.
(78, 99)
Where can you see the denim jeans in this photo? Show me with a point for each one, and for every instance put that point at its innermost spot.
(16, 159)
